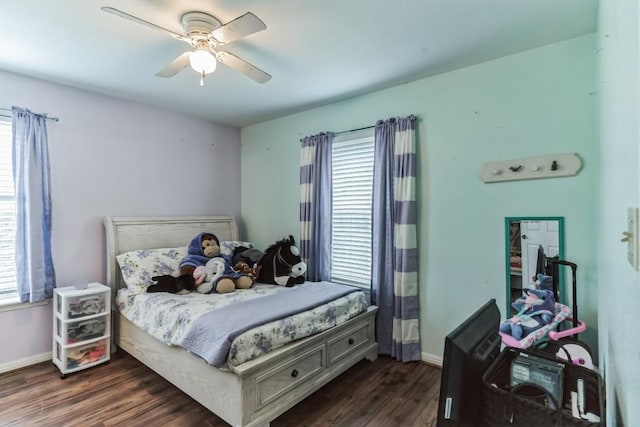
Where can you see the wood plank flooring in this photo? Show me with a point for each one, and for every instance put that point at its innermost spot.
(126, 393)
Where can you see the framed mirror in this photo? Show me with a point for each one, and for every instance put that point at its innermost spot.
(529, 242)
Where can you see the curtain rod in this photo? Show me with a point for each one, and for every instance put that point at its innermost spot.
(344, 131)
(55, 119)
(369, 127)
(353, 130)
(392, 119)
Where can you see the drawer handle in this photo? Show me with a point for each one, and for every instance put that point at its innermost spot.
(294, 373)
(350, 341)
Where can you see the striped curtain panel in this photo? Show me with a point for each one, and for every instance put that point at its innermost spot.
(394, 251)
(315, 205)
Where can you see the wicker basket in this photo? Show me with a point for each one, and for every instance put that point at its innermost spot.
(503, 408)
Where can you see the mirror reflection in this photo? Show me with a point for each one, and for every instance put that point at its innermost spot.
(530, 243)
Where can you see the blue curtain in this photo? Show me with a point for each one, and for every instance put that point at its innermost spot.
(394, 287)
(34, 265)
(315, 205)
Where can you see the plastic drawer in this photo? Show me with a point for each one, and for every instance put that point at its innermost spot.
(81, 356)
(81, 330)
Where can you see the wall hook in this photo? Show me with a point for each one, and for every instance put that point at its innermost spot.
(554, 165)
(515, 168)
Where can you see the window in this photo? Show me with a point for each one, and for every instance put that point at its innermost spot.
(7, 215)
(352, 177)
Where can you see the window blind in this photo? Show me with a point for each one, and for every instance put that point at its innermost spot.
(352, 178)
(7, 215)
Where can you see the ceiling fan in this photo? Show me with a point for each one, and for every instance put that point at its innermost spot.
(205, 34)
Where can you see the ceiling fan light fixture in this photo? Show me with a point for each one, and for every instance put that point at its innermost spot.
(203, 61)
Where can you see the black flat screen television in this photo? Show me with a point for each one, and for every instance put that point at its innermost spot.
(468, 352)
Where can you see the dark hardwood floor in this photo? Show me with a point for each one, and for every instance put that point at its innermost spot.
(126, 393)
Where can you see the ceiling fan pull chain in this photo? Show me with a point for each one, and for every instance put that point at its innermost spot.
(202, 79)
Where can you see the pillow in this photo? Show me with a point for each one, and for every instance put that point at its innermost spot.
(138, 267)
(227, 247)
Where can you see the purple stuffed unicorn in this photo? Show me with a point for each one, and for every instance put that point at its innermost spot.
(535, 310)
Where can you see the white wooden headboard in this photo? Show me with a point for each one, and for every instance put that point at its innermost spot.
(124, 234)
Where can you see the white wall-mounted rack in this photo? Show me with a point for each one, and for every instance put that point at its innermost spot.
(551, 166)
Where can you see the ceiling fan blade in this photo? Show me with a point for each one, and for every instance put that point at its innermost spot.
(175, 66)
(240, 27)
(243, 67)
(145, 23)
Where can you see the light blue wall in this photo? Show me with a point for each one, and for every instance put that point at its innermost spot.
(618, 111)
(534, 103)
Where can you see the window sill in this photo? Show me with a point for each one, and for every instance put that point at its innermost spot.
(9, 304)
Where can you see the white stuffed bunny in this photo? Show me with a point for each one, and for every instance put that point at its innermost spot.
(206, 275)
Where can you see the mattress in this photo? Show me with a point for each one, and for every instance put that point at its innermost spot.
(168, 317)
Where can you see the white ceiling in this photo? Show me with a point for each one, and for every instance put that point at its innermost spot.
(318, 51)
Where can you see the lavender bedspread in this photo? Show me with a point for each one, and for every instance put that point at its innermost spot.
(210, 335)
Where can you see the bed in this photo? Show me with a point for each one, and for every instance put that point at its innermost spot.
(252, 393)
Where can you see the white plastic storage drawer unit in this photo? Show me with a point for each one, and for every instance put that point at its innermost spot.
(81, 327)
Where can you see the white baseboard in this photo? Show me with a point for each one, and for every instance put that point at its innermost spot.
(432, 359)
(21, 363)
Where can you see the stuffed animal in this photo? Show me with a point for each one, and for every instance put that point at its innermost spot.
(544, 282)
(205, 275)
(250, 256)
(217, 275)
(244, 268)
(201, 249)
(175, 285)
(535, 310)
(281, 264)
(245, 261)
